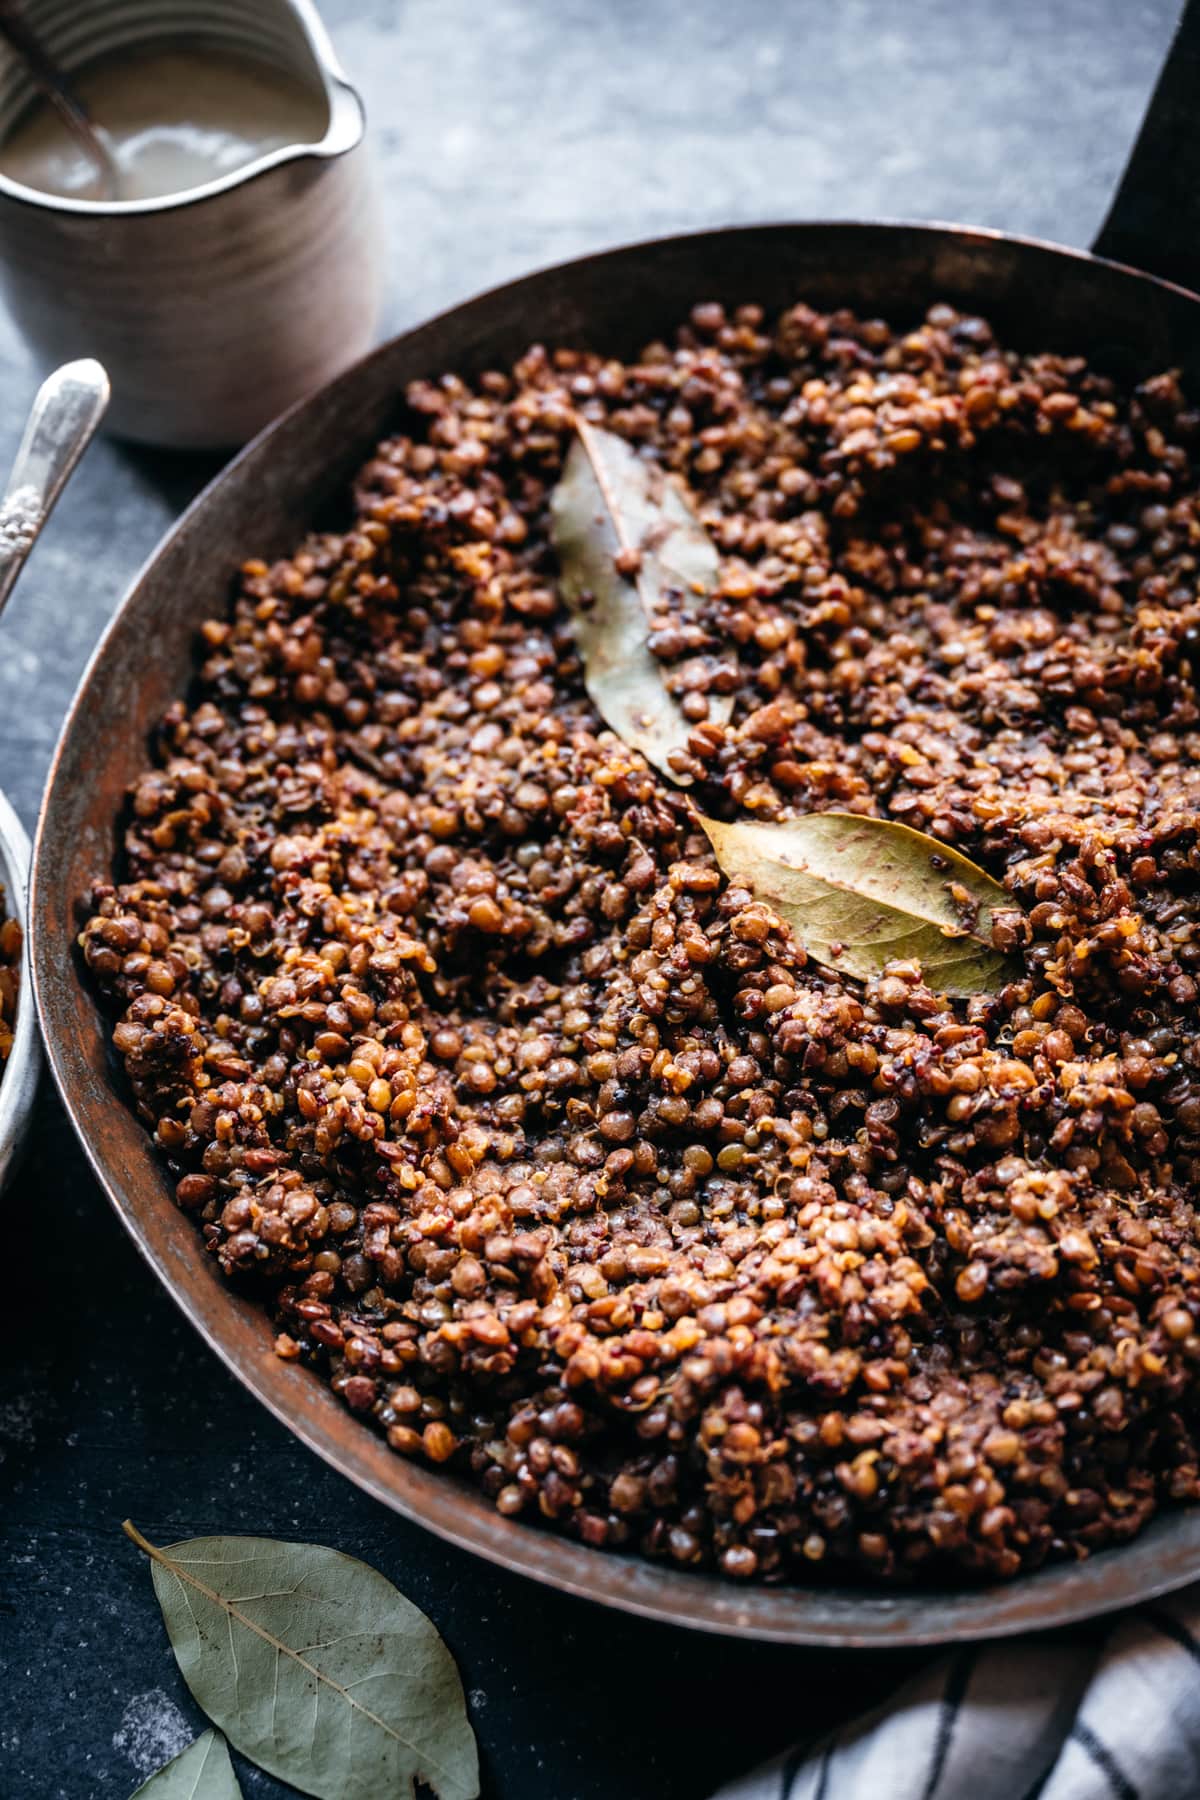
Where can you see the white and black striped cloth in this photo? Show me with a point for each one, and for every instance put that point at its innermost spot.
(1110, 1715)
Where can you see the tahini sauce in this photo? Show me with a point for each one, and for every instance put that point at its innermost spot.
(173, 119)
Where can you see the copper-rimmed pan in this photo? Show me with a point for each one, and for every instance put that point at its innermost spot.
(1039, 296)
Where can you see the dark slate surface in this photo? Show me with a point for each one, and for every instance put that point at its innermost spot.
(508, 135)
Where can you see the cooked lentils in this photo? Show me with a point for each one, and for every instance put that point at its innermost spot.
(541, 1139)
(10, 972)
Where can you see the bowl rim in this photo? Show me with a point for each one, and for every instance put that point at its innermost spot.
(1164, 1557)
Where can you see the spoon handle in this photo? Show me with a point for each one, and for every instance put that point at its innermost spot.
(68, 407)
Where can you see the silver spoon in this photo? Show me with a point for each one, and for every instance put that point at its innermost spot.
(62, 421)
(56, 85)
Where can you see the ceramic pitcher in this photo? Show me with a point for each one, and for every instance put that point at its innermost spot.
(212, 310)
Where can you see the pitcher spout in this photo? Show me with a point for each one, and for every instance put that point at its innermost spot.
(347, 114)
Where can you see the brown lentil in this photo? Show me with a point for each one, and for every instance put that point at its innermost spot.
(11, 938)
(546, 1145)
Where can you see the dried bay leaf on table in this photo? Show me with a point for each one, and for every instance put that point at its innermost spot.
(859, 893)
(611, 504)
(201, 1772)
(316, 1667)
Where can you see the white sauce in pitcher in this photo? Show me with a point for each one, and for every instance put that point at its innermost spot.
(172, 119)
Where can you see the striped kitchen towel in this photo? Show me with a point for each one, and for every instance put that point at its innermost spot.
(1113, 1714)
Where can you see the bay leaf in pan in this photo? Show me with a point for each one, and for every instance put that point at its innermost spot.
(859, 893)
(626, 539)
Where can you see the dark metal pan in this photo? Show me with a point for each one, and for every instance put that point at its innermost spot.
(1040, 296)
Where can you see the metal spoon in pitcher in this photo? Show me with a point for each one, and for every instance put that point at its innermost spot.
(56, 85)
(62, 421)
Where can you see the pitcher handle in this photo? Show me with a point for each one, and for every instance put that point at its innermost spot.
(1153, 222)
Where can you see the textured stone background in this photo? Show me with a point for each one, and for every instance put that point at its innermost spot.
(508, 134)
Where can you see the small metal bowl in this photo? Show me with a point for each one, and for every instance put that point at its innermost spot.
(19, 1075)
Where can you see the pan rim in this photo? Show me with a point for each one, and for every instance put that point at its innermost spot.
(867, 1617)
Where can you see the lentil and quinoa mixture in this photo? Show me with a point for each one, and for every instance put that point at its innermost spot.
(11, 938)
(543, 1141)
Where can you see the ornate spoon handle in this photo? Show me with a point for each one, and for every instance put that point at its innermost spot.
(68, 407)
